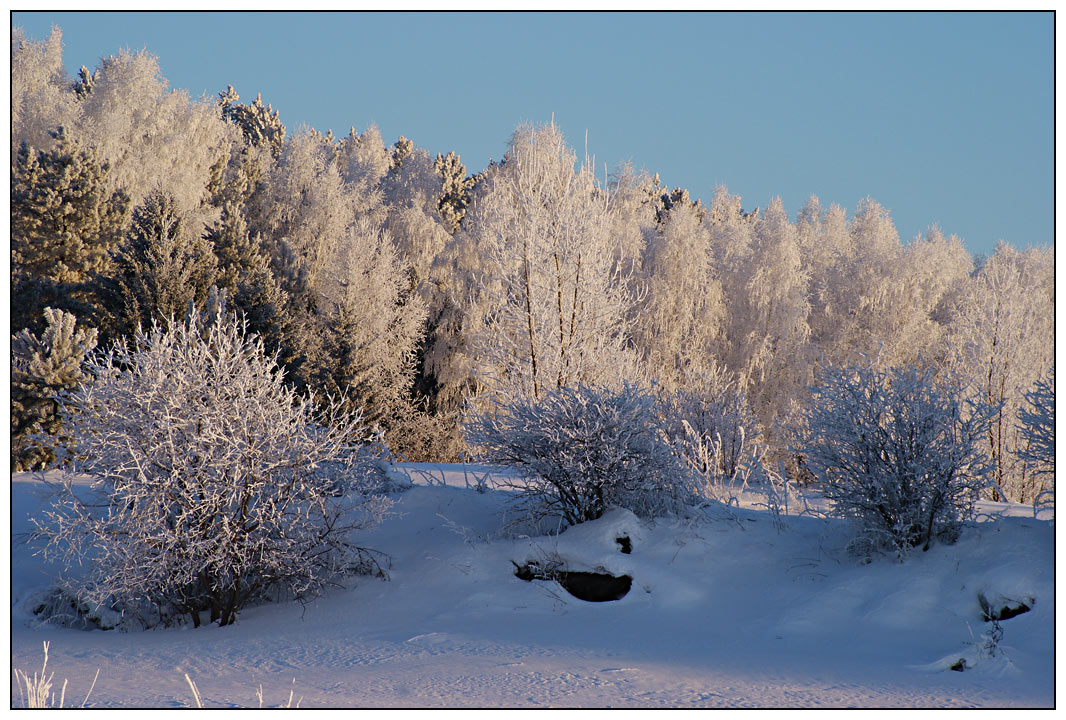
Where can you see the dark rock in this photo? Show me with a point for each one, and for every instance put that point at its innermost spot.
(959, 665)
(595, 587)
(588, 586)
(627, 546)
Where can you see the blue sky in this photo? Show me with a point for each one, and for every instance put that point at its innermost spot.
(944, 118)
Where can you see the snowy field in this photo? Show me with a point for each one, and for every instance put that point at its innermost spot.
(726, 611)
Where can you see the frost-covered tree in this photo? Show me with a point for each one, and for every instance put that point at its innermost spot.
(710, 415)
(550, 308)
(212, 484)
(931, 268)
(825, 250)
(162, 266)
(154, 137)
(585, 449)
(83, 84)
(304, 206)
(260, 125)
(65, 225)
(455, 190)
(412, 191)
(769, 329)
(681, 319)
(731, 235)
(1037, 420)
(633, 206)
(898, 451)
(244, 272)
(41, 96)
(42, 368)
(363, 162)
(1002, 336)
(374, 324)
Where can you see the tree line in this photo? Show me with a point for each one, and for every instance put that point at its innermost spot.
(420, 293)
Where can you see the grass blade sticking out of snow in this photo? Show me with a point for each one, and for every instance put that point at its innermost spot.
(286, 706)
(195, 692)
(38, 689)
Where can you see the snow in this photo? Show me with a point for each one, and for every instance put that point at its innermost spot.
(724, 611)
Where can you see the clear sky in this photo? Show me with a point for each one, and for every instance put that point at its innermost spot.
(944, 118)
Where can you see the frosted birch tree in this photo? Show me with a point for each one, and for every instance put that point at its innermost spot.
(41, 97)
(681, 319)
(556, 306)
(1003, 333)
(154, 137)
(770, 323)
(1036, 419)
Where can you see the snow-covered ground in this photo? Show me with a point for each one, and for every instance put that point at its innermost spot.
(723, 612)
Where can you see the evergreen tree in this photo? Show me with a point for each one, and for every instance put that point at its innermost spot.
(455, 190)
(162, 266)
(42, 368)
(64, 226)
(260, 125)
(373, 326)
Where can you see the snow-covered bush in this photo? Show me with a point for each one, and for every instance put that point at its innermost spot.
(716, 435)
(585, 449)
(898, 451)
(712, 411)
(1037, 429)
(211, 483)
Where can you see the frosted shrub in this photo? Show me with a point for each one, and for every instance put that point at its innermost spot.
(711, 412)
(211, 483)
(1036, 420)
(898, 452)
(585, 449)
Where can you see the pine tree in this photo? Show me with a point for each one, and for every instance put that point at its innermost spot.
(455, 190)
(42, 368)
(260, 125)
(162, 266)
(64, 226)
(373, 326)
